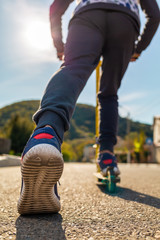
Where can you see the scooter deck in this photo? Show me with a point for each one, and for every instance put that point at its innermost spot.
(110, 181)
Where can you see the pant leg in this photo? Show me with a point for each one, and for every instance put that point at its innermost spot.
(119, 45)
(82, 53)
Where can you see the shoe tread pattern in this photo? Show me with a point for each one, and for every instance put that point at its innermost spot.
(42, 167)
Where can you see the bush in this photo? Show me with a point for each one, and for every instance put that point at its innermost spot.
(18, 130)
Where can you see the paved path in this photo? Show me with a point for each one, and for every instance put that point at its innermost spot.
(87, 211)
(9, 160)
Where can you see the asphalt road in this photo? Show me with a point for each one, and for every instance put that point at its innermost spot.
(88, 212)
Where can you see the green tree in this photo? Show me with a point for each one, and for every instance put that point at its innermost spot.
(135, 142)
(18, 129)
(78, 146)
(68, 153)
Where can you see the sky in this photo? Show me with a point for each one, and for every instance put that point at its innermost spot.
(28, 60)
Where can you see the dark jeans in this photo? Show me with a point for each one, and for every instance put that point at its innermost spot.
(92, 34)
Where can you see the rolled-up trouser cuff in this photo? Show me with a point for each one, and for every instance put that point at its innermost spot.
(106, 146)
(52, 119)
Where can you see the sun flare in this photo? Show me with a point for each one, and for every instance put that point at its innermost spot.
(37, 35)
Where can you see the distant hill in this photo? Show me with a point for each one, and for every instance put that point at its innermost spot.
(24, 109)
(82, 123)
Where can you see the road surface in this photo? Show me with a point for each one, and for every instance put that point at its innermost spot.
(87, 211)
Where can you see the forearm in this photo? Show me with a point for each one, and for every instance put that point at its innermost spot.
(152, 13)
(57, 9)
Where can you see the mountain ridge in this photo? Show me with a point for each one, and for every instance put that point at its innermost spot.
(82, 122)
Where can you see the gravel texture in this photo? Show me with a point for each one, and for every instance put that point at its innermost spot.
(88, 212)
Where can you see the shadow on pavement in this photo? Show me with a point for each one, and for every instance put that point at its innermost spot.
(128, 194)
(42, 226)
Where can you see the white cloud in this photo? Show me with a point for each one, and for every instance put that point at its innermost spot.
(132, 96)
(127, 110)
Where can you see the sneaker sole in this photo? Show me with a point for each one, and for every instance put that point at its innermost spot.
(115, 171)
(41, 168)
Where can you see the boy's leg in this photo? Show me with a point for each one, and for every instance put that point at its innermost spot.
(42, 162)
(119, 45)
(82, 53)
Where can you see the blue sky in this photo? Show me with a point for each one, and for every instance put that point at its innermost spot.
(28, 60)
